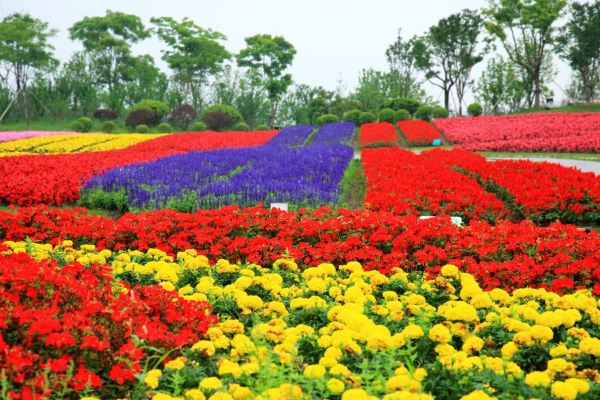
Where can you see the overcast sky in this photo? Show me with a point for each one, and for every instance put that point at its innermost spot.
(334, 39)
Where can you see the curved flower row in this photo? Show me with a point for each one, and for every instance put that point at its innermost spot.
(7, 136)
(346, 333)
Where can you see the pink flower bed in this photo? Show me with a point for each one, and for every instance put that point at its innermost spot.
(9, 135)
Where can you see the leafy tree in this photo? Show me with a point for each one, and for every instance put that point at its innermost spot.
(108, 41)
(194, 54)
(526, 30)
(143, 80)
(269, 56)
(579, 45)
(77, 73)
(304, 104)
(373, 90)
(447, 53)
(403, 69)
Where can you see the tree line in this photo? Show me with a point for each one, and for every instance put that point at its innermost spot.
(106, 75)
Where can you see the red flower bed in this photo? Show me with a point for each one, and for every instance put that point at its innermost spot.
(419, 133)
(507, 255)
(561, 132)
(377, 133)
(405, 183)
(62, 329)
(57, 179)
(541, 191)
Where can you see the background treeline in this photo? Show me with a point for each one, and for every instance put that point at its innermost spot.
(207, 86)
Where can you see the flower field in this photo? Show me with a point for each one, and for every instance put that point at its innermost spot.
(194, 289)
(9, 136)
(546, 132)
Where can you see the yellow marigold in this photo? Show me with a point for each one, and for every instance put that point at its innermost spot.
(523, 338)
(335, 386)
(340, 369)
(564, 391)
(477, 395)
(458, 311)
(206, 347)
(177, 363)
(327, 362)
(581, 385)
(559, 350)
(221, 396)
(557, 365)
(449, 270)
(590, 346)
(239, 392)
(194, 394)
(317, 285)
(508, 350)
(89, 398)
(152, 378)
(227, 367)
(315, 371)
(541, 333)
(355, 394)
(482, 300)
(537, 378)
(473, 344)
(231, 326)
(412, 331)
(250, 368)
(440, 334)
(211, 383)
(164, 396)
(285, 264)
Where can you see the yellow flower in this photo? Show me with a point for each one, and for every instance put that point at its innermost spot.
(557, 365)
(449, 270)
(164, 396)
(285, 264)
(240, 392)
(412, 331)
(508, 350)
(440, 334)
(537, 378)
(317, 285)
(194, 394)
(315, 371)
(541, 333)
(221, 396)
(206, 347)
(177, 363)
(211, 383)
(152, 378)
(477, 395)
(473, 344)
(227, 367)
(563, 390)
(355, 394)
(335, 386)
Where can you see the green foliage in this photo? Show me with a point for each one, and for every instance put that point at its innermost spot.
(241, 127)
(98, 198)
(142, 128)
(104, 114)
(404, 81)
(352, 116)
(262, 127)
(164, 127)
(475, 109)
(386, 115)
(366, 117)
(439, 112)
(159, 108)
(83, 124)
(401, 115)
(327, 119)
(108, 126)
(214, 117)
(404, 103)
(77, 126)
(199, 126)
(424, 112)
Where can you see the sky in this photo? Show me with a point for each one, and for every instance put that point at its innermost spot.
(334, 39)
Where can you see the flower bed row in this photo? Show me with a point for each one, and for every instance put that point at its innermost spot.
(419, 133)
(323, 332)
(405, 183)
(544, 132)
(57, 179)
(543, 192)
(507, 255)
(377, 133)
(7, 136)
(334, 133)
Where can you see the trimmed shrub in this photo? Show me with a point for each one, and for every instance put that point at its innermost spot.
(105, 114)
(142, 128)
(367, 117)
(475, 109)
(164, 127)
(401, 115)
(241, 127)
(83, 124)
(403, 103)
(327, 119)
(199, 127)
(352, 116)
(158, 107)
(439, 112)
(221, 117)
(424, 112)
(108, 126)
(262, 127)
(141, 117)
(386, 115)
(182, 116)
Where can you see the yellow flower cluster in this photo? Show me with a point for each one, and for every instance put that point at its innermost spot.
(73, 143)
(322, 332)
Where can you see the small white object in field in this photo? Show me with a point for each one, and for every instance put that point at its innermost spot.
(280, 206)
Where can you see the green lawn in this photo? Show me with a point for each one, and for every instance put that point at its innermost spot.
(569, 108)
(54, 124)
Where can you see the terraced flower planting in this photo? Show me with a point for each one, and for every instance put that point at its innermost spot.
(419, 133)
(377, 134)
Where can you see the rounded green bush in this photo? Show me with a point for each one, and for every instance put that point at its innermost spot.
(475, 109)
(439, 112)
(164, 127)
(158, 107)
(424, 112)
(352, 116)
(401, 115)
(367, 117)
(199, 126)
(108, 126)
(386, 115)
(263, 127)
(77, 126)
(241, 127)
(233, 117)
(83, 124)
(327, 119)
(141, 128)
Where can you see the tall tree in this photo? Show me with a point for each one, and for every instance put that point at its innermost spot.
(448, 52)
(108, 40)
(194, 54)
(579, 45)
(269, 56)
(526, 29)
(402, 63)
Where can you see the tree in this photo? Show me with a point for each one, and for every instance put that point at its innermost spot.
(526, 30)
(194, 54)
(144, 80)
(373, 90)
(579, 45)
(403, 69)
(24, 49)
(447, 53)
(305, 104)
(108, 40)
(269, 56)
